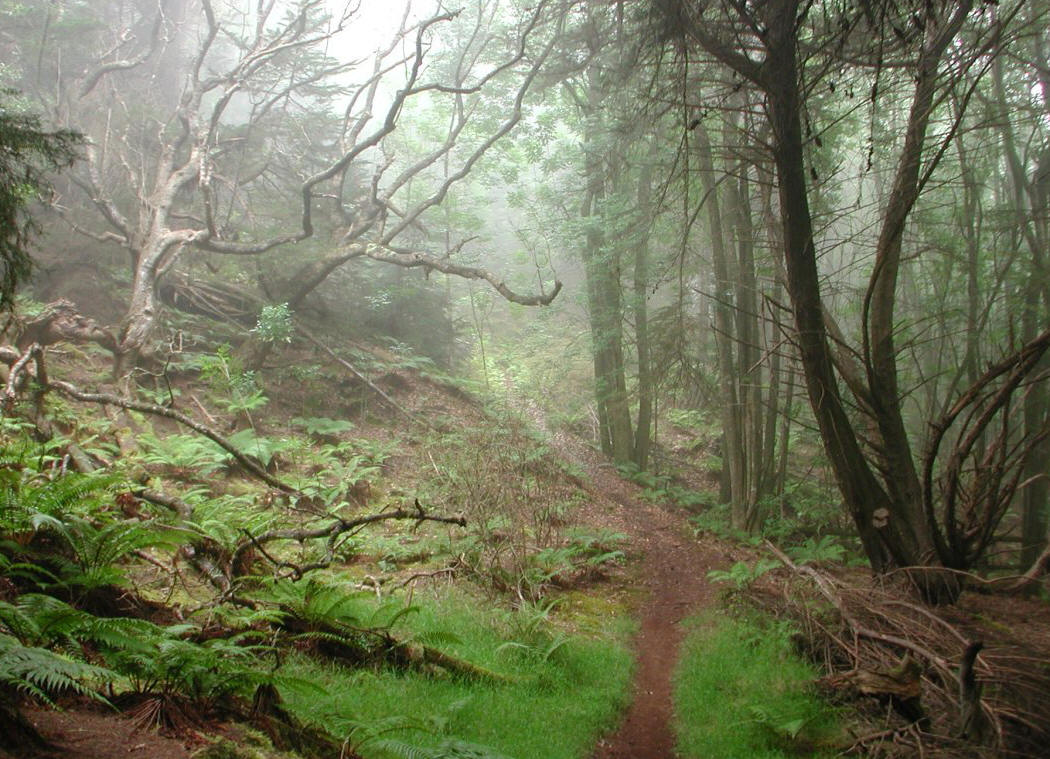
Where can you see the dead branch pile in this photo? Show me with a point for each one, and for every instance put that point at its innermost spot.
(214, 299)
(966, 681)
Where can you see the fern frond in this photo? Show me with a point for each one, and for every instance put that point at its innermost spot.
(403, 612)
(18, 623)
(449, 749)
(44, 673)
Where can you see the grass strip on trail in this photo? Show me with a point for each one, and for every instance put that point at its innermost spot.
(741, 692)
(563, 690)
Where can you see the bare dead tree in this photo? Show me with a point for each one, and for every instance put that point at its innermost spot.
(212, 125)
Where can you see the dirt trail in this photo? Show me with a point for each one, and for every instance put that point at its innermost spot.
(673, 570)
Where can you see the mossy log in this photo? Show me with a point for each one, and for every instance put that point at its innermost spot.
(287, 732)
(359, 646)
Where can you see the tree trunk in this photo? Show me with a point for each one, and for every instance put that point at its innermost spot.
(602, 261)
(733, 461)
(863, 494)
(748, 370)
(916, 541)
(1030, 199)
(140, 320)
(646, 392)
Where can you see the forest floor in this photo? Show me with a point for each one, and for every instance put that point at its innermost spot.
(666, 576)
(673, 567)
(670, 571)
(664, 580)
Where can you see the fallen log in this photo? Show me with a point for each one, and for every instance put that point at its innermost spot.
(901, 686)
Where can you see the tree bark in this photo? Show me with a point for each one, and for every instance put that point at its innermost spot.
(864, 496)
(733, 461)
(646, 391)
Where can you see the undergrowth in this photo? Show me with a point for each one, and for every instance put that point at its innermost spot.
(158, 528)
(555, 694)
(742, 693)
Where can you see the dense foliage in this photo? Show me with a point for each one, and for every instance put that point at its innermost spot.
(29, 153)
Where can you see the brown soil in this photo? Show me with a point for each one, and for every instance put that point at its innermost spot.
(92, 734)
(673, 567)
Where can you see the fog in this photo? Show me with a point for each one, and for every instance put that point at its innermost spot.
(611, 207)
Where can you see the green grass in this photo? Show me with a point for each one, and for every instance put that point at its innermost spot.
(742, 693)
(566, 689)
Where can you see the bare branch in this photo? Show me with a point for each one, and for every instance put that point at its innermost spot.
(108, 399)
(94, 77)
(505, 128)
(331, 531)
(411, 260)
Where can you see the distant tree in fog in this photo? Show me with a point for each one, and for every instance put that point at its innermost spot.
(242, 129)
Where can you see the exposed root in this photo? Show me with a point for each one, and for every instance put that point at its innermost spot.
(287, 732)
(950, 684)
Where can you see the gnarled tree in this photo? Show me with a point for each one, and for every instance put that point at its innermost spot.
(244, 129)
(935, 507)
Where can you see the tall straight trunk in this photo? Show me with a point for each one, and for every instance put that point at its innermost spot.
(591, 250)
(770, 409)
(780, 478)
(643, 427)
(602, 263)
(733, 460)
(749, 370)
(863, 494)
(880, 353)
(1035, 497)
(602, 268)
(617, 403)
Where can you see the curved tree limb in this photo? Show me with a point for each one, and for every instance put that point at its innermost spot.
(35, 351)
(411, 260)
(249, 464)
(1040, 567)
(95, 76)
(331, 531)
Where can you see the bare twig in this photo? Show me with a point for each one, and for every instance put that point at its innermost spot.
(330, 531)
(250, 465)
(353, 370)
(1040, 567)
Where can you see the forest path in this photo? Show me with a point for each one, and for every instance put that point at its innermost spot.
(673, 567)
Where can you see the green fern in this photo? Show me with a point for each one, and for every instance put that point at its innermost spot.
(376, 736)
(535, 636)
(743, 575)
(26, 494)
(183, 453)
(814, 550)
(319, 602)
(264, 448)
(44, 674)
(96, 549)
(18, 622)
(202, 673)
(46, 621)
(224, 519)
(12, 567)
(447, 749)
